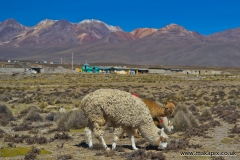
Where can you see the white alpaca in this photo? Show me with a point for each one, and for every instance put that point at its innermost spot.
(166, 124)
(122, 110)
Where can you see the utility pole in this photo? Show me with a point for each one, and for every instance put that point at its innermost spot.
(61, 60)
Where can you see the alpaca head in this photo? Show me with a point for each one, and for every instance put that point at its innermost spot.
(162, 141)
(169, 107)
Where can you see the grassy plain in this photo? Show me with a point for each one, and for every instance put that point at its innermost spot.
(34, 102)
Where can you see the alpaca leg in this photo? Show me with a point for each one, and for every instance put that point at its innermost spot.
(122, 134)
(99, 132)
(117, 131)
(130, 134)
(88, 136)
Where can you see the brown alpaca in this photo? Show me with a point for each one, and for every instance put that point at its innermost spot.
(156, 111)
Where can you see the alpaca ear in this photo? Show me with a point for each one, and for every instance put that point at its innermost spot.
(165, 101)
(174, 102)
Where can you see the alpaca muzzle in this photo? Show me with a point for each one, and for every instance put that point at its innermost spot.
(162, 145)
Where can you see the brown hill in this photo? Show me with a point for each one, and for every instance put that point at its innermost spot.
(9, 29)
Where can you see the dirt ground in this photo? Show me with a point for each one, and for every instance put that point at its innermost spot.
(57, 94)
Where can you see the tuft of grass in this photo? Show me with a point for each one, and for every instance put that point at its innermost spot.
(42, 105)
(6, 115)
(181, 122)
(62, 135)
(30, 108)
(2, 133)
(32, 154)
(192, 119)
(72, 120)
(51, 116)
(200, 102)
(206, 113)
(64, 157)
(181, 107)
(33, 116)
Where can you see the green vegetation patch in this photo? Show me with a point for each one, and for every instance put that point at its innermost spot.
(77, 130)
(227, 140)
(12, 152)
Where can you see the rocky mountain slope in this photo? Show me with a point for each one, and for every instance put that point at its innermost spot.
(97, 41)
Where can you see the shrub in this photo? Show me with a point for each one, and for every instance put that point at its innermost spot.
(32, 154)
(194, 110)
(192, 119)
(64, 157)
(62, 135)
(72, 120)
(30, 108)
(36, 139)
(6, 115)
(200, 102)
(50, 116)
(57, 101)
(181, 107)
(235, 129)
(225, 103)
(42, 105)
(33, 116)
(206, 113)
(22, 127)
(1, 133)
(5, 96)
(181, 121)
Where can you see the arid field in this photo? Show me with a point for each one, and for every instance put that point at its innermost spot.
(40, 116)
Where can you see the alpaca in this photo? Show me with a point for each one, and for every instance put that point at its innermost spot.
(163, 122)
(156, 112)
(122, 110)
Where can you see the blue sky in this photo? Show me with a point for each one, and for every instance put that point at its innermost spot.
(205, 16)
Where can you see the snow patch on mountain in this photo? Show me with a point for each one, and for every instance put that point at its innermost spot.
(110, 27)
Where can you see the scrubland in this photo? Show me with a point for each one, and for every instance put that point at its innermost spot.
(40, 116)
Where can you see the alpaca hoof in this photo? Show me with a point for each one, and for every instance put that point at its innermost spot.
(107, 149)
(135, 149)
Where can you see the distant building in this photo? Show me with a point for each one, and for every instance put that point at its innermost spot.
(89, 69)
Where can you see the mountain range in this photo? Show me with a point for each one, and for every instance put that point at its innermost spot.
(98, 42)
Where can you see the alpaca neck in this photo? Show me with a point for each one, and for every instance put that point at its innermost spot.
(150, 132)
(160, 112)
